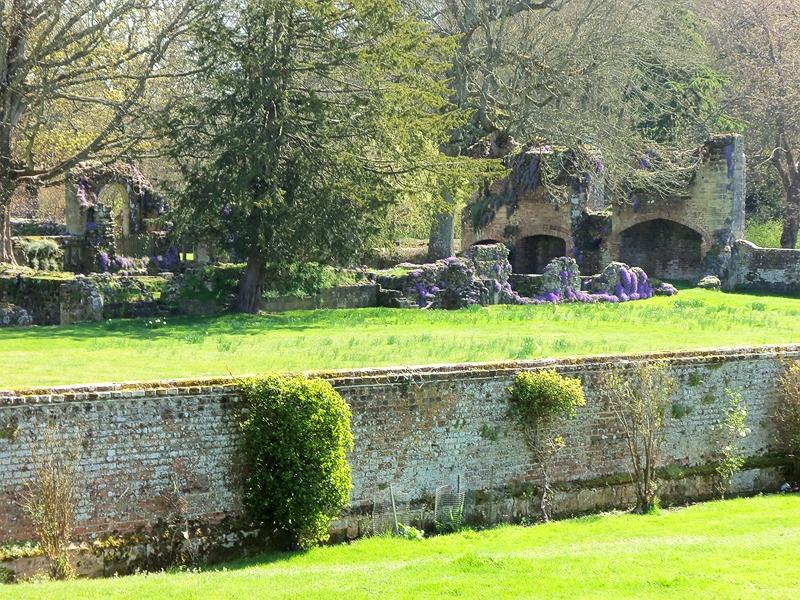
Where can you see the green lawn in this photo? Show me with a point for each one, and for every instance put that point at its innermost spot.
(744, 548)
(126, 350)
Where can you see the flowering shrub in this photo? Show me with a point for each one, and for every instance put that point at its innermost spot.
(624, 283)
(169, 261)
(449, 283)
(456, 283)
(126, 265)
(42, 254)
(538, 400)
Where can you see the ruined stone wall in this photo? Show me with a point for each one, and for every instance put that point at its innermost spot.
(763, 269)
(712, 207)
(683, 236)
(348, 296)
(534, 214)
(415, 429)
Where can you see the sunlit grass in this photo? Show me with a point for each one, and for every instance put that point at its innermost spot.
(744, 548)
(125, 350)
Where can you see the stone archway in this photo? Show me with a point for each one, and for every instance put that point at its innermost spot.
(663, 248)
(116, 197)
(534, 252)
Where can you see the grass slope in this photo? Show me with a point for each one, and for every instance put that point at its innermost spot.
(744, 548)
(126, 350)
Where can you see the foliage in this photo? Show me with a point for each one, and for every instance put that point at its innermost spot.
(453, 521)
(306, 119)
(640, 395)
(733, 427)
(41, 254)
(78, 74)
(410, 533)
(296, 435)
(757, 43)
(787, 414)
(539, 399)
(303, 279)
(765, 234)
(51, 497)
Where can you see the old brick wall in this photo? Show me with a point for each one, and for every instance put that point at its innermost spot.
(414, 428)
(763, 269)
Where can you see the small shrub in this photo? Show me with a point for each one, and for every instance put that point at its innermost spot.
(296, 435)
(539, 396)
(787, 415)
(49, 500)
(42, 254)
(408, 532)
(452, 522)
(640, 396)
(730, 457)
(538, 400)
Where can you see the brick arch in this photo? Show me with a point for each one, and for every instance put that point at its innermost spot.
(85, 184)
(638, 219)
(664, 247)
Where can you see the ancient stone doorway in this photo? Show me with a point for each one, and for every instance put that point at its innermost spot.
(664, 249)
(115, 197)
(534, 252)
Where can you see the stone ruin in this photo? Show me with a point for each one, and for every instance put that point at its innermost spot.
(483, 276)
(684, 236)
(112, 213)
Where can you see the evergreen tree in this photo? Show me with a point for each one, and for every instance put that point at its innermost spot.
(307, 117)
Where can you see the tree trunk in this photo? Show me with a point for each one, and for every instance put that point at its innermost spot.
(6, 245)
(440, 244)
(251, 286)
(791, 219)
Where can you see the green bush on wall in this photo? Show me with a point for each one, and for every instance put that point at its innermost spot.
(540, 396)
(296, 435)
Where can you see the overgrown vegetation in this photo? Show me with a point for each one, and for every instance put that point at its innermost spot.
(728, 433)
(50, 499)
(295, 439)
(540, 400)
(787, 414)
(41, 254)
(640, 395)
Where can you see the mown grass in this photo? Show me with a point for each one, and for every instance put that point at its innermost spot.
(743, 548)
(125, 350)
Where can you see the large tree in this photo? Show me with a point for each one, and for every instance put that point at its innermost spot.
(306, 119)
(74, 77)
(759, 43)
(612, 74)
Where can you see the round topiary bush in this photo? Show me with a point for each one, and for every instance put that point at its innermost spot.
(296, 435)
(537, 397)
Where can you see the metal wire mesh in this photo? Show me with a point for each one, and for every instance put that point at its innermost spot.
(448, 511)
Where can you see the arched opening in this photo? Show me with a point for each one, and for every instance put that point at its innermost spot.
(663, 248)
(115, 197)
(534, 252)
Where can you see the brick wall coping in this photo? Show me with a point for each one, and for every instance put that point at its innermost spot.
(415, 375)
